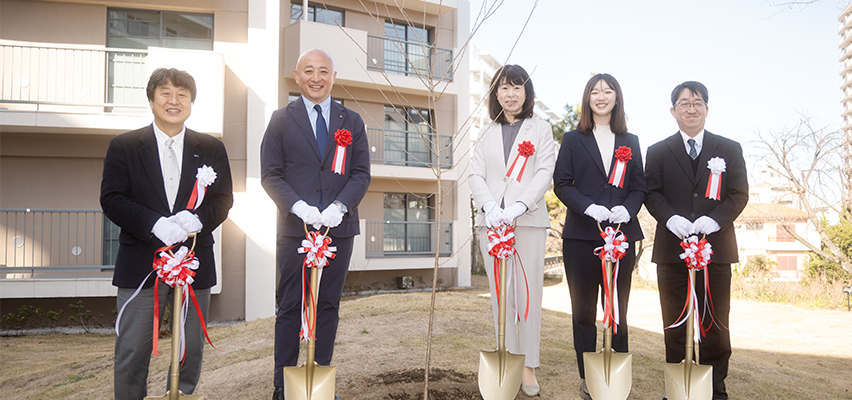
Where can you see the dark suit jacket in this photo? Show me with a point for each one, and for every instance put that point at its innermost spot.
(133, 196)
(292, 169)
(579, 181)
(673, 189)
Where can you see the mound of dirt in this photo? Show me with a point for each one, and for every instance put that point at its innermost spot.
(444, 384)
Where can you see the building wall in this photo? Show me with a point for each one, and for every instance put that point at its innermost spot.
(36, 165)
(845, 33)
(63, 171)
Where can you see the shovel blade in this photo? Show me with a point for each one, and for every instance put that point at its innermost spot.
(500, 374)
(299, 384)
(688, 382)
(610, 382)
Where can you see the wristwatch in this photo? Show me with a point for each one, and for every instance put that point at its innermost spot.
(341, 206)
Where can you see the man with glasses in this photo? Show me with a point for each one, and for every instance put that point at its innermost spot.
(697, 185)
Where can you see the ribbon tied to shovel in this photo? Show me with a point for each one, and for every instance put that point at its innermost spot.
(315, 247)
(696, 254)
(613, 250)
(501, 245)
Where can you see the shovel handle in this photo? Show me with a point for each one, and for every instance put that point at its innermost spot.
(327, 228)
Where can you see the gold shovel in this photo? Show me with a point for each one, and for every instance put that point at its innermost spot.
(500, 372)
(609, 375)
(174, 392)
(310, 381)
(688, 380)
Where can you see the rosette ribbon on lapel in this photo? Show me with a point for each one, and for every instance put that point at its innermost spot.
(343, 139)
(623, 154)
(205, 177)
(525, 149)
(716, 165)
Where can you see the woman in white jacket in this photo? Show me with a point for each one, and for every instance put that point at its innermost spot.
(510, 171)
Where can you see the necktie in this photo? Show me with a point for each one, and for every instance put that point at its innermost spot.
(322, 130)
(692, 153)
(171, 172)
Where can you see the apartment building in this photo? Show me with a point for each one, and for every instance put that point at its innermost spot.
(845, 32)
(74, 73)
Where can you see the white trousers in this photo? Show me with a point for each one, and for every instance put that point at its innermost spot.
(525, 337)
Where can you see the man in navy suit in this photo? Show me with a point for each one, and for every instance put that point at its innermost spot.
(148, 180)
(687, 197)
(299, 172)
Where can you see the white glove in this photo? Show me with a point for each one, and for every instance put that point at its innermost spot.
(619, 215)
(493, 214)
(512, 212)
(680, 226)
(332, 216)
(705, 225)
(599, 213)
(309, 215)
(168, 232)
(187, 220)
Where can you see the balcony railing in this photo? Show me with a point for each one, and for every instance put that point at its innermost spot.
(409, 148)
(79, 76)
(55, 241)
(407, 239)
(409, 58)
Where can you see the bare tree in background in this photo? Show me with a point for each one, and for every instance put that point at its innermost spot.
(810, 161)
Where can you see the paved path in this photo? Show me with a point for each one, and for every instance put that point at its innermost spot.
(774, 327)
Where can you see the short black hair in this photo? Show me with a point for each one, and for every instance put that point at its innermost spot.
(514, 75)
(178, 78)
(694, 87)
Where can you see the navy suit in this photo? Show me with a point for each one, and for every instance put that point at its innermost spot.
(674, 189)
(292, 169)
(579, 180)
(133, 196)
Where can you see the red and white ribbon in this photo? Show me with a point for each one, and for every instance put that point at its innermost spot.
(623, 154)
(614, 248)
(205, 177)
(526, 150)
(501, 245)
(174, 269)
(716, 165)
(696, 254)
(317, 253)
(178, 269)
(343, 139)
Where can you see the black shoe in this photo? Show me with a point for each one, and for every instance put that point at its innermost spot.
(584, 391)
(278, 394)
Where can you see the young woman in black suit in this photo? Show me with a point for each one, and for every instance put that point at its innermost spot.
(599, 177)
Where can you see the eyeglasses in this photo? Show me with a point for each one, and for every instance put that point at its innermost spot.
(698, 105)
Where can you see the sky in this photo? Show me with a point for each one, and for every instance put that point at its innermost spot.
(763, 65)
